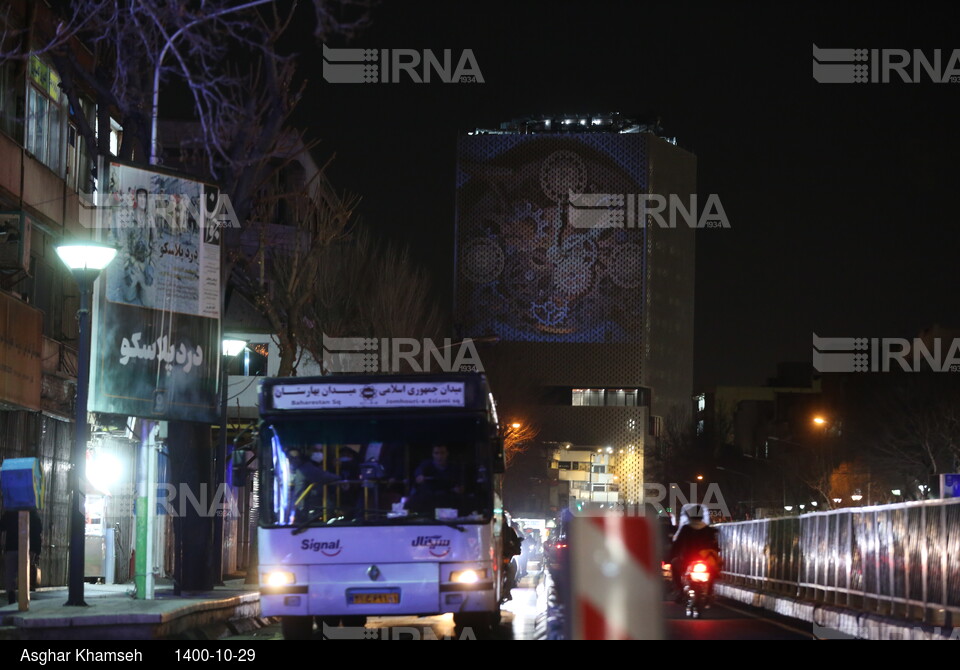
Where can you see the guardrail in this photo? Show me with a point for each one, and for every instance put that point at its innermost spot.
(898, 560)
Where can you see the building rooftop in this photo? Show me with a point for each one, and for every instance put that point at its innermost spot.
(603, 122)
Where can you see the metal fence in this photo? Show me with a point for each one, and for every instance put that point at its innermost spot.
(900, 560)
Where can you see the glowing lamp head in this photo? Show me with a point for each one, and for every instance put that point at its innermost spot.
(86, 256)
(233, 347)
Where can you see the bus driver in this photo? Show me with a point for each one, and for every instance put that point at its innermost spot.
(439, 483)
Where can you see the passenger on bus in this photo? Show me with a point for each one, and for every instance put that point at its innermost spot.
(386, 464)
(349, 496)
(438, 481)
(311, 478)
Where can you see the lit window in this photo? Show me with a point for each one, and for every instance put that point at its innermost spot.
(45, 115)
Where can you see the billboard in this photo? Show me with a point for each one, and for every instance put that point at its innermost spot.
(156, 320)
(527, 269)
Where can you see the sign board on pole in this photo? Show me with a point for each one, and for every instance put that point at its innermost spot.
(21, 481)
(950, 486)
(616, 578)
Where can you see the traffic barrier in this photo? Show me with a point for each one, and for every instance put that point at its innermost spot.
(616, 579)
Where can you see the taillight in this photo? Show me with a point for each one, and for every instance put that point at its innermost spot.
(699, 572)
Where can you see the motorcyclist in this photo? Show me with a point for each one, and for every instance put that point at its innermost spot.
(695, 539)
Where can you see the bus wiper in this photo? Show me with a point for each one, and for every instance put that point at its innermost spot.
(302, 526)
(392, 516)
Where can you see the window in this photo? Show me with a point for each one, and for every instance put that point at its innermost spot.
(78, 164)
(116, 137)
(599, 469)
(563, 465)
(622, 397)
(251, 362)
(587, 397)
(44, 290)
(609, 397)
(45, 116)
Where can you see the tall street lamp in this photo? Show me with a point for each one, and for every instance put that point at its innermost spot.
(86, 261)
(231, 348)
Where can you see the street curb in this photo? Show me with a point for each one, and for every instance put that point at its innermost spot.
(834, 623)
(173, 619)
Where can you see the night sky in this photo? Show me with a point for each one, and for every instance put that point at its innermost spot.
(840, 197)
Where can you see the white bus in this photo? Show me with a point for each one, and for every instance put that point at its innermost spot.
(380, 496)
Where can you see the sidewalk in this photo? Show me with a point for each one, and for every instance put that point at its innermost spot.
(113, 614)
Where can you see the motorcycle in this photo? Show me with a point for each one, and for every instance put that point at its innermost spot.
(696, 588)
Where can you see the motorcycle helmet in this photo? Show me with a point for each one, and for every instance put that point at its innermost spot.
(696, 512)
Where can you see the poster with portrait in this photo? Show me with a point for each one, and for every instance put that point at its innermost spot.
(156, 325)
(528, 269)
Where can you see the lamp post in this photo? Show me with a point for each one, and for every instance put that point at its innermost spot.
(163, 52)
(230, 349)
(85, 261)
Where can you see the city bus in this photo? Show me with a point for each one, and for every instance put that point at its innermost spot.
(380, 495)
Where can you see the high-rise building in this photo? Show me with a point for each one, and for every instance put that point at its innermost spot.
(564, 256)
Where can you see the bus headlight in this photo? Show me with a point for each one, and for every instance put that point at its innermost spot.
(278, 578)
(468, 576)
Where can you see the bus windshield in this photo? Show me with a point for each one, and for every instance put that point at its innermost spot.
(352, 469)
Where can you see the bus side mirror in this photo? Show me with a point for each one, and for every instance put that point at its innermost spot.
(499, 463)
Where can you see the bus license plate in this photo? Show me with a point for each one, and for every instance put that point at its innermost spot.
(375, 598)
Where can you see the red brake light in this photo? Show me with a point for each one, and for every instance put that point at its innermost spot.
(699, 572)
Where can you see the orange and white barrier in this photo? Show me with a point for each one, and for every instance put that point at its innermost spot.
(616, 579)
